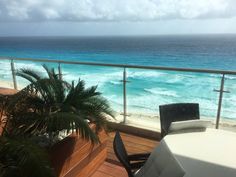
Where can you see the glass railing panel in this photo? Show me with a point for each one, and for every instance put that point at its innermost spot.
(147, 89)
(142, 102)
(108, 81)
(5, 74)
(203, 90)
(35, 66)
(228, 111)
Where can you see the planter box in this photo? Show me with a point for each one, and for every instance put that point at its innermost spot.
(75, 157)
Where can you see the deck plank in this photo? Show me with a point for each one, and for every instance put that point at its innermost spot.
(110, 170)
(134, 144)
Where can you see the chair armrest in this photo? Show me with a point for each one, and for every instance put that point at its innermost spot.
(137, 157)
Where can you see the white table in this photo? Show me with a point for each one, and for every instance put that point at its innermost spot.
(211, 153)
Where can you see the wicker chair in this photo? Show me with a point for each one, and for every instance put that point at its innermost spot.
(177, 112)
(132, 163)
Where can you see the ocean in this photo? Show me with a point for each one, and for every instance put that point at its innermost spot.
(146, 89)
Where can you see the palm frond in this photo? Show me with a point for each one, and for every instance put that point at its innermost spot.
(49, 105)
(21, 158)
(29, 74)
(71, 123)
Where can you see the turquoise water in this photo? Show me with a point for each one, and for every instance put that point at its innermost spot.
(147, 89)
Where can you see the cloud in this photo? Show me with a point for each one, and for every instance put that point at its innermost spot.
(113, 10)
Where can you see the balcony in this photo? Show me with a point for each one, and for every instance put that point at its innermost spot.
(140, 123)
(131, 95)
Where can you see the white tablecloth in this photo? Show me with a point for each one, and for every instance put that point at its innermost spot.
(211, 153)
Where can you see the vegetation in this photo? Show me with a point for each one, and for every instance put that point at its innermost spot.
(39, 113)
(22, 158)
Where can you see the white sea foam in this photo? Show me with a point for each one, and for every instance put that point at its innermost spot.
(229, 77)
(174, 79)
(5, 68)
(160, 91)
(194, 88)
(115, 82)
(144, 74)
(150, 102)
(6, 75)
(95, 78)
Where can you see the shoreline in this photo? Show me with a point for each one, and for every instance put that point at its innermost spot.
(152, 122)
(142, 120)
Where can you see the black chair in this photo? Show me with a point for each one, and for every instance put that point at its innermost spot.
(133, 162)
(177, 112)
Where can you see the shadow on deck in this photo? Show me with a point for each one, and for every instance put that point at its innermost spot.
(134, 144)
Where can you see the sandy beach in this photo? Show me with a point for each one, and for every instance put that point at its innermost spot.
(152, 122)
(6, 84)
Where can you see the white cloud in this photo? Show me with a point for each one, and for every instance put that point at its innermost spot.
(114, 10)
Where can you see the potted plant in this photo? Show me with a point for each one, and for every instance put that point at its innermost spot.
(49, 108)
(19, 157)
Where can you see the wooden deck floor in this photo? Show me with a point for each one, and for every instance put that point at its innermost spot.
(133, 144)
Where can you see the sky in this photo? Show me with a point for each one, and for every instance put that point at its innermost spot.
(116, 17)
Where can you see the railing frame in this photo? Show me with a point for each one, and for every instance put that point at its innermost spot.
(124, 66)
(59, 70)
(212, 71)
(221, 92)
(13, 71)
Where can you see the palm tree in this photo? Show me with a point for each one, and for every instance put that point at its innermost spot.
(38, 113)
(49, 105)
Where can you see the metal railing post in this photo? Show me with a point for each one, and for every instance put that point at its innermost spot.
(13, 74)
(221, 91)
(59, 71)
(210, 71)
(125, 66)
(124, 96)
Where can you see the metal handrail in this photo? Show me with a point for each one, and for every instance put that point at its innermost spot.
(212, 71)
(125, 66)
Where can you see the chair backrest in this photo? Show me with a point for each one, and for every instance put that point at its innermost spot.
(177, 112)
(161, 163)
(121, 153)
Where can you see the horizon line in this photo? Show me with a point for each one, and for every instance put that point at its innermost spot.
(122, 35)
